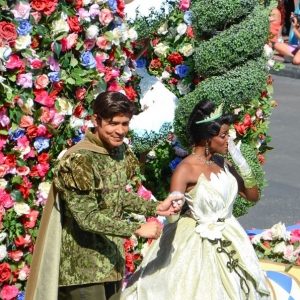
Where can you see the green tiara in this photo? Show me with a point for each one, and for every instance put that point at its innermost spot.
(217, 113)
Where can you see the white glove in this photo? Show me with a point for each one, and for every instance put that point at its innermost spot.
(237, 156)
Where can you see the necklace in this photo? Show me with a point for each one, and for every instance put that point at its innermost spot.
(208, 162)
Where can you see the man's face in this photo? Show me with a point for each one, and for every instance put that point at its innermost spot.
(112, 131)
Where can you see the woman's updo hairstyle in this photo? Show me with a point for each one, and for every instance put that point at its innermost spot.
(206, 130)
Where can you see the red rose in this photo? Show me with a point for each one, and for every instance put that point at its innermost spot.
(32, 131)
(80, 93)
(10, 160)
(74, 24)
(78, 111)
(29, 220)
(130, 93)
(50, 7)
(5, 272)
(155, 64)
(247, 120)
(128, 245)
(35, 42)
(58, 86)
(34, 171)
(42, 159)
(129, 262)
(190, 32)
(261, 159)
(8, 31)
(120, 8)
(175, 58)
(38, 5)
(267, 244)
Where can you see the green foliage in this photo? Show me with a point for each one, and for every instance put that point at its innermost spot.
(234, 46)
(234, 88)
(209, 16)
(157, 171)
(241, 206)
(146, 26)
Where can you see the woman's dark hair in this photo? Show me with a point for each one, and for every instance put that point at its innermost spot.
(109, 104)
(281, 9)
(207, 130)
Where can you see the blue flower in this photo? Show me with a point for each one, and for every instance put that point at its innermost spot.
(113, 5)
(182, 71)
(78, 138)
(41, 143)
(54, 76)
(17, 134)
(6, 53)
(174, 163)
(21, 296)
(188, 18)
(24, 28)
(88, 60)
(141, 63)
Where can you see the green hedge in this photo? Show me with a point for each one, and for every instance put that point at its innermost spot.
(234, 46)
(212, 15)
(234, 88)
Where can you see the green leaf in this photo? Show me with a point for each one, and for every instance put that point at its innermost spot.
(73, 62)
(17, 196)
(109, 36)
(17, 179)
(288, 267)
(57, 48)
(70, 80)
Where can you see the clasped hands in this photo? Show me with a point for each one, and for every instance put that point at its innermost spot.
(170, 206)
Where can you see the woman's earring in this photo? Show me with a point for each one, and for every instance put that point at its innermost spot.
(206, 149)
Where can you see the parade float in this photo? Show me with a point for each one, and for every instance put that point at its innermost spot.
(56, 56)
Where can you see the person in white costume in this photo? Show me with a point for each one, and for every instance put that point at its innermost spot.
(206, 254)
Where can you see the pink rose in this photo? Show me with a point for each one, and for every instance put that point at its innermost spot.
(41, 81)
(144, 193)
(14, 62)
(15, 255)
(82, 13)
(26, 121)
(23, 142)
(41, 130)
(45, 117)
(37, 16)
(43, 169)
(57, 119)
(105, 16)
(24, 80)
(100, 66)
(9, 292)
(29, 220)
(295, 235)
(21, 11)
(23, 170)
(4, 119)
(71, 40)
(44, 98)
(89, 44)
(103, 43)
(114, 87)
(3, 170)
(5, 199)
(184, 5)
(35, 63)
(94, 11)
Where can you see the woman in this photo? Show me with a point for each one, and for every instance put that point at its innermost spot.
(290, 52)
(276, 20)
(206, 254)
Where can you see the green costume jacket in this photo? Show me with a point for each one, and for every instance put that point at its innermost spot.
(80, 239)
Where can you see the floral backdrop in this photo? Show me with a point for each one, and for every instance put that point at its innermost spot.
(55, 57)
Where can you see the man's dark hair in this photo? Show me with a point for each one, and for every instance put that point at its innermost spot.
(109, 104)
(207, 130)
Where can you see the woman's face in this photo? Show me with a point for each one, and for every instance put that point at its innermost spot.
(219, 143)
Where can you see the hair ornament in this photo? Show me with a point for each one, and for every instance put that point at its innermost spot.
(217, 113)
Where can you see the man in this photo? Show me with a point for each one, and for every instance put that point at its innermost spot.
(91, 180)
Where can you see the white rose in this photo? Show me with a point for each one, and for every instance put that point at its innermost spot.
(3, 236)
(86, 2)
(187, 50)
(181, 28)
(163, 29)
(271, 63)
(92, 32)
(60, 26)
(3, 184)
(279, 232)
(76, 122)
(279, 248)
(26, 108)
(3, 252)
(183, 88)
(100, 1)
(165, 75)
(22, 42)
(132, 34)
(124, 36)
(151, 154)
(117, 35)
(256, 239)
(44, 188)
(232, 133)
(126, 75)
(22, 275)
(145, 249)
(21, 208)
(23, 151)
(160, 49)
(268, 50)
(66, 107)
(137, 217)
(134, 239)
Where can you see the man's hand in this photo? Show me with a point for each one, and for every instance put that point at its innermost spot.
(170, 206)
(150, 230)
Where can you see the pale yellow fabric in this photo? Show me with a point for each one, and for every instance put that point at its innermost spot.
(183, 265)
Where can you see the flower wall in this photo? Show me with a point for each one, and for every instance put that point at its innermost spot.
(55, 57)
